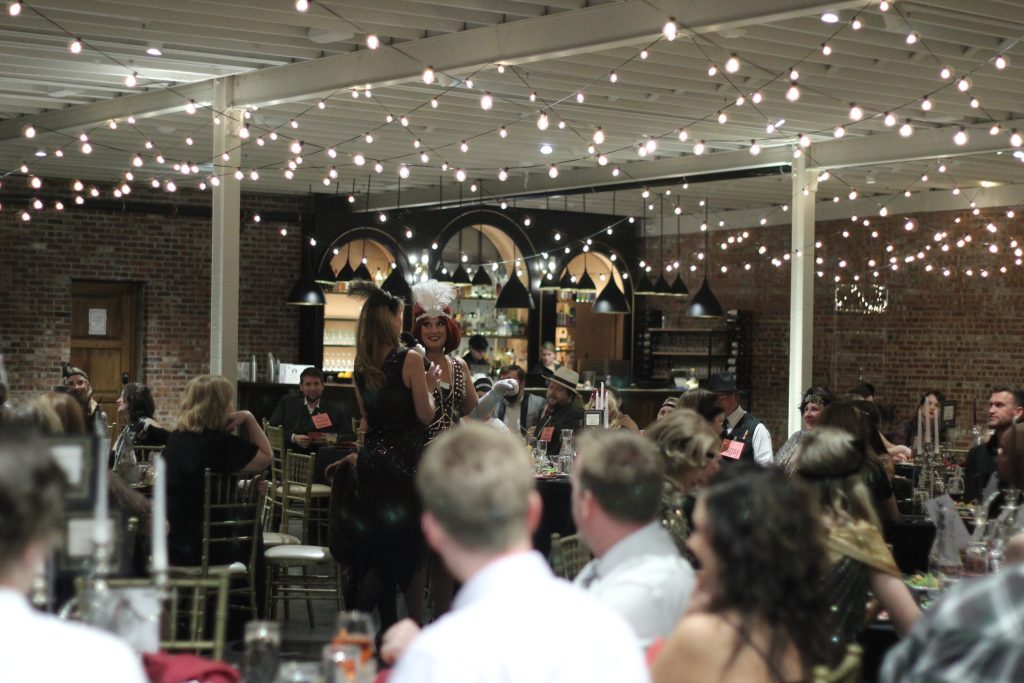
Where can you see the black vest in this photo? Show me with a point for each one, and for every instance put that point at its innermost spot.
(743, 432)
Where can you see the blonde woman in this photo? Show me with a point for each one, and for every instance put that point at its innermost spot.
(688, 447)
(833, 462)
(616, 418)
(205, 439)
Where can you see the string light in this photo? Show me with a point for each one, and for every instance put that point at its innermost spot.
(906, 130)
(75, 46)
(428, 75)
(1001, 62)
(926, 104)
(542, 121)
(793, 93)
(486, 101)
(372, 41)
(960, 137)
(670, 30)
(14, 8)
(732, 65)
(131, 80)
(302, 5)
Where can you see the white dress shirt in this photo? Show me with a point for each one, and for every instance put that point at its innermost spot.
(40, 647)
(643, 578)
(514, 622)
(761, 441)
(512, 412)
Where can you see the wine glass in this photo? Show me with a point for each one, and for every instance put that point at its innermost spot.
(356, 628)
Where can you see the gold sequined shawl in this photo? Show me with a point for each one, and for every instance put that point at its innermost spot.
(862, 542)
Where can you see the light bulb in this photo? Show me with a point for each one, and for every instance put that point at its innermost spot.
(358, 159)
(698, 148)
(243, 132)
(960, 137)
(503, 174)
(464, 147)
(906, 130)
(856, 113)
(712, 70)
(137, 161)
(975, 103)
(856, 24)
(580, 98)
(890, 119)
(131, 80)
(296, 147)
(403, 171)
(428, 75)
(913, 37)
(553, 171)
(238, 174)
(404, 120)
(378, 167)
(804, 140)
(996, 129)
(35, 182)
(926, 104)
(839, 132)
(14, 8)
(86, 148)
(757, 97)
(755, 149)
(598, 137)
(486, 101)
(794, 75)
(963, 84)
(30, 131)
(793, 94)
(826, 49)
(75, 46)
(542, 121)
(613, 77)
(460, 175)
(1001, 62)
(670, 30)
(1015, 138)
(254, 174)
(602, 160)
(424, 157)
(722, 117)
(302, 5)
(372, 41)
(732, 65)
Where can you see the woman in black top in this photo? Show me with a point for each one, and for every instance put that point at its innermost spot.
(379, 526)
(135, 409)
(205, 440)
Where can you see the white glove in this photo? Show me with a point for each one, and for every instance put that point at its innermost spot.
(506, 387)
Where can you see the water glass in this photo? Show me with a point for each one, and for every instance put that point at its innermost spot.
(356, 628)
(262, 650)
(298, 672)
(976, 559)
(540, 453)
(343, 663)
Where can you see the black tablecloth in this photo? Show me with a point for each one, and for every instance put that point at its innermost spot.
(556, 514)
(911, 541)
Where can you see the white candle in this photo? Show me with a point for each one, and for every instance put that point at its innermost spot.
(920, 432)
(100, 530)
(937, 410)
(160, 516)
(927, 428)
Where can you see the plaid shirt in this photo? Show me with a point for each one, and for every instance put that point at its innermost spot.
(975, 633)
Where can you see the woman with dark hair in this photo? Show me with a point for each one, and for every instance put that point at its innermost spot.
(758, 611)
(705, 403)
(832, 462)
(376, 529)
(687, 446)
(858, 423)
(928, 407)
(135, 409)
(815, 400)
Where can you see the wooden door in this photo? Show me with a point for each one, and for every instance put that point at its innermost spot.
(104, 336)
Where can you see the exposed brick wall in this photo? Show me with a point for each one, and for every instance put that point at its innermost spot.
(956, 334)
(170, 254)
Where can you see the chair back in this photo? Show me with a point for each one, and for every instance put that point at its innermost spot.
(232, 516)
(184, 620)
(847, 671)
(296, 487)
(568, 555)
(275, 435)
(148, 453)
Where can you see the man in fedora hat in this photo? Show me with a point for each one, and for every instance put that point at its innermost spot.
(564, 409)
(744, 437)
(77, 384)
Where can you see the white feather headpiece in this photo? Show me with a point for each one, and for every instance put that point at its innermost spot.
(433, 297)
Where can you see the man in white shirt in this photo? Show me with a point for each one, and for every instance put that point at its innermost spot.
(512, 620)
(519, 411)
(744, 437)
(35, 646)
(638, 572)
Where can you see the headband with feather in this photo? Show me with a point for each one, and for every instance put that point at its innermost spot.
(433, 298)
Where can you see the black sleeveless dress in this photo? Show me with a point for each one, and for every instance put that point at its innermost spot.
(383, 518)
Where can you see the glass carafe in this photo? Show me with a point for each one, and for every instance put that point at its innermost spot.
(944, 559)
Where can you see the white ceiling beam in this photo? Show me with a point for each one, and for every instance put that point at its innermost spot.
(549, 37)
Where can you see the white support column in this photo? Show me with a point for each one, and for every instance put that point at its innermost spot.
(225, 253)
(801, 287)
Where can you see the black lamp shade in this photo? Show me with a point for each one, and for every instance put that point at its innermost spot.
(549, 283)
(396, 284)
(679, 287)
(566, 284)
(306, 292)
(704, 304)
(441, 274)
(586, 283)
(362, 273)
(611, 300)
(661, 287)
(514, 294)
(461, 276)
(346, 273)
(481, 278)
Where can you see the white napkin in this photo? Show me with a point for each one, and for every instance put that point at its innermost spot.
(955, 529)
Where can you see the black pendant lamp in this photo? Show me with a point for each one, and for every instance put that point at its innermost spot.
(396, 284)
(347, 273)
(481, 278)
(704, 303)
(679, 288)
(361, 271)
(306, 292)
(514, 294)
(611, 299)
(460, 277)
(585, 284)
(549, 283)
(567, 283)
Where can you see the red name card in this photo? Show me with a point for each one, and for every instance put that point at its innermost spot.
(731, 449)
(321, 421)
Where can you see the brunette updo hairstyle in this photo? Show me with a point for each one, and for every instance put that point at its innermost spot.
(454, 336)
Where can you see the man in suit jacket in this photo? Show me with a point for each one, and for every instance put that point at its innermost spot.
(308, 413)
(520, 411)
